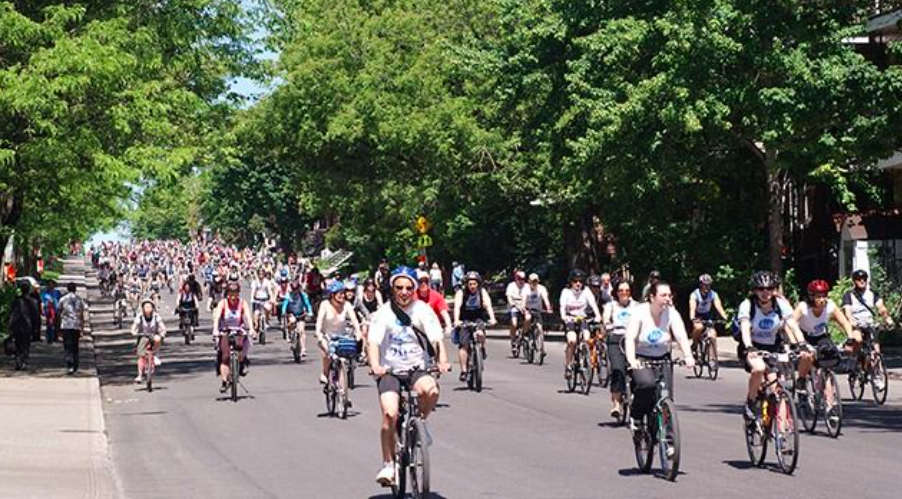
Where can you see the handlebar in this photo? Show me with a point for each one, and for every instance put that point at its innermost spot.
(430, 369)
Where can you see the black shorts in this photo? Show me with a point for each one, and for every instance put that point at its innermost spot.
(464, 334)
(393, 383)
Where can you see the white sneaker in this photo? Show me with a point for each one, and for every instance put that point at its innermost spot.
(139, 379)
(386, 476)
(157, 360)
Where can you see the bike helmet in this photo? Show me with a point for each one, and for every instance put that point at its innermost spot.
(403, 272)
(818, 286)
(350, 285)
(764, 279)
(335, 286)
(473, 276)
(146, 301)
(859, 274)
(576, 275)
(594, 281)
(705, 279)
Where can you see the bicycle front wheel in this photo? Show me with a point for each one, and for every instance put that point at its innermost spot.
(540, 345)
(669, 440)
(529, 349)
(418, 448)
(586, 370)
(342, 401)
(808, 406)
(832, 408)
(233, 376)
(856, 383)
(478, 367)
(149, 369)
(699, 368)
(711, 358)
(786, 433)
(643, 446)
(756, 437)
(879, 379)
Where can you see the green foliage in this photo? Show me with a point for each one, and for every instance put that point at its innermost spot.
(8, 293)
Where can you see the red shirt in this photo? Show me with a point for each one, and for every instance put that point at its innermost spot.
(437, 302)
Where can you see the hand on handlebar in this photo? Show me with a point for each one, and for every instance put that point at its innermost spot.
(444, 367)
(492, 322)
(379, 371)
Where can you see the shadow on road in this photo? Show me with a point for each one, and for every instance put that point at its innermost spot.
(433, 495)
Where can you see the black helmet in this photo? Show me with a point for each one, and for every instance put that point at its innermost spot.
(594, 281)
(860, 274)
(764, 279)
(576, 275)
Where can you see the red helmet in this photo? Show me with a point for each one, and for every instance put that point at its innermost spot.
(818, 286)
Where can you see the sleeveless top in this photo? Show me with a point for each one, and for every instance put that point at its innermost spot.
(471, 306)
(653, 340)
(232, 319)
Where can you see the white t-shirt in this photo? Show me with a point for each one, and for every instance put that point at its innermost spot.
(399, 346)
(766, 327)
(813, 325)
(517, 294)
(533, 299)
(703, 303)
(654, 339)
(573, 305)
(620, 315)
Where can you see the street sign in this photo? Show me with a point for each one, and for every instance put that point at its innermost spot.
(424, 241)
(423, 224)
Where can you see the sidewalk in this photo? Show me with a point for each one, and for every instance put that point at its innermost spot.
(53, 443)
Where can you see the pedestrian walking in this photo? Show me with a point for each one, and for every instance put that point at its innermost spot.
(72, 320)
(24, 320)
(50, 301)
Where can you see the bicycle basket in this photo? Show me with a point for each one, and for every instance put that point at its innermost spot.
(346, 347)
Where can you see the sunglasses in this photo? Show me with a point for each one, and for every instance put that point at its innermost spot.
(623, 291)
(403, 288)
(771, 288)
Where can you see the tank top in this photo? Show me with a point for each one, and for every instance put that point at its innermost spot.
(232, 319)
(370, 305)
(534, 298)
(704, 302)
(815, 326)
(471, 308)
(654, 339)
(335, 323)
(765, 326)
(620, 315)
(148, 327)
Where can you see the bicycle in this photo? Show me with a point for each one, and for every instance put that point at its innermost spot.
(626, 394)
(774, 404)
(476, 360)
(660, 428)
(119, 312)
(517, 341)
(342, 350)
(580, 368)
(533, 341)
(705, 351)
(412, 442)
(150, 366)
(234, 336)
(294, 335)
(260, 321)
(186, 324)
(598, 355)
(870, 369)
(814, 400)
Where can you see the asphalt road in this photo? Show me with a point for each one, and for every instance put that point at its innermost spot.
(522, 437)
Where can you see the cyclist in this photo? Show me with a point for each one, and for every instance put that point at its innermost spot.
(471, 303)
(232, 313)
(651, 329)
(134, 292)
(282, 289)
(187, 303)
(763, 320)
(404, 336)
(434, 299)
(295, 305)
(261, 295)
(653, 277)
(150, 330)
(536, 299)
(575, 304)
(616, 316)
(703, 303)
(812, 315)
(332, 320)
(861, 306)
(515, 293)
(596, 286)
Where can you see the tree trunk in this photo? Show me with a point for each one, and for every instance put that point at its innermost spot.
(583, 240)
(774, 211)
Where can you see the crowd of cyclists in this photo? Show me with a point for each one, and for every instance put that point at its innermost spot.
(399, 321)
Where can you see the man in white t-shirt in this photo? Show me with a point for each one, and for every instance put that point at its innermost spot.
(404, 339)
(516, 308)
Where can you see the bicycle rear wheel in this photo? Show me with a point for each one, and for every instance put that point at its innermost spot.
(669, 440)
(711, 358)
(149, 368)
(342, 395)
(808, 406)
(528, 348)
(786, 433)
(643, 446)
(756, 437)
(832, 411)
(879, 379)
(402, 460)
(296, 347)
(419, 460)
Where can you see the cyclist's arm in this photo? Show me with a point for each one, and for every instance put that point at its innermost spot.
(594, 306)
(843, 322)
(458, 301)
(511, 301)
(718, 305)
(307, 306)
(563, 305)
(354, 322)
(217, 312)
(546, 301)
(487, 303)
(320, 319)
(678, 328)
(745, 326)
(882, 310)
(797, 313)
(792, 330)
(693, 305)
(606, 313)
(161, 327)
(632, 332)
(136, 324)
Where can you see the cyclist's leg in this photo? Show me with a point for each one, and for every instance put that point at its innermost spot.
(463, 351)
(757, 369)
(617, 369)
(514, 315)
(224, 351)
(325, 359)
(427, 392)
(571, 345)
(389, 399)
(527, 320)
